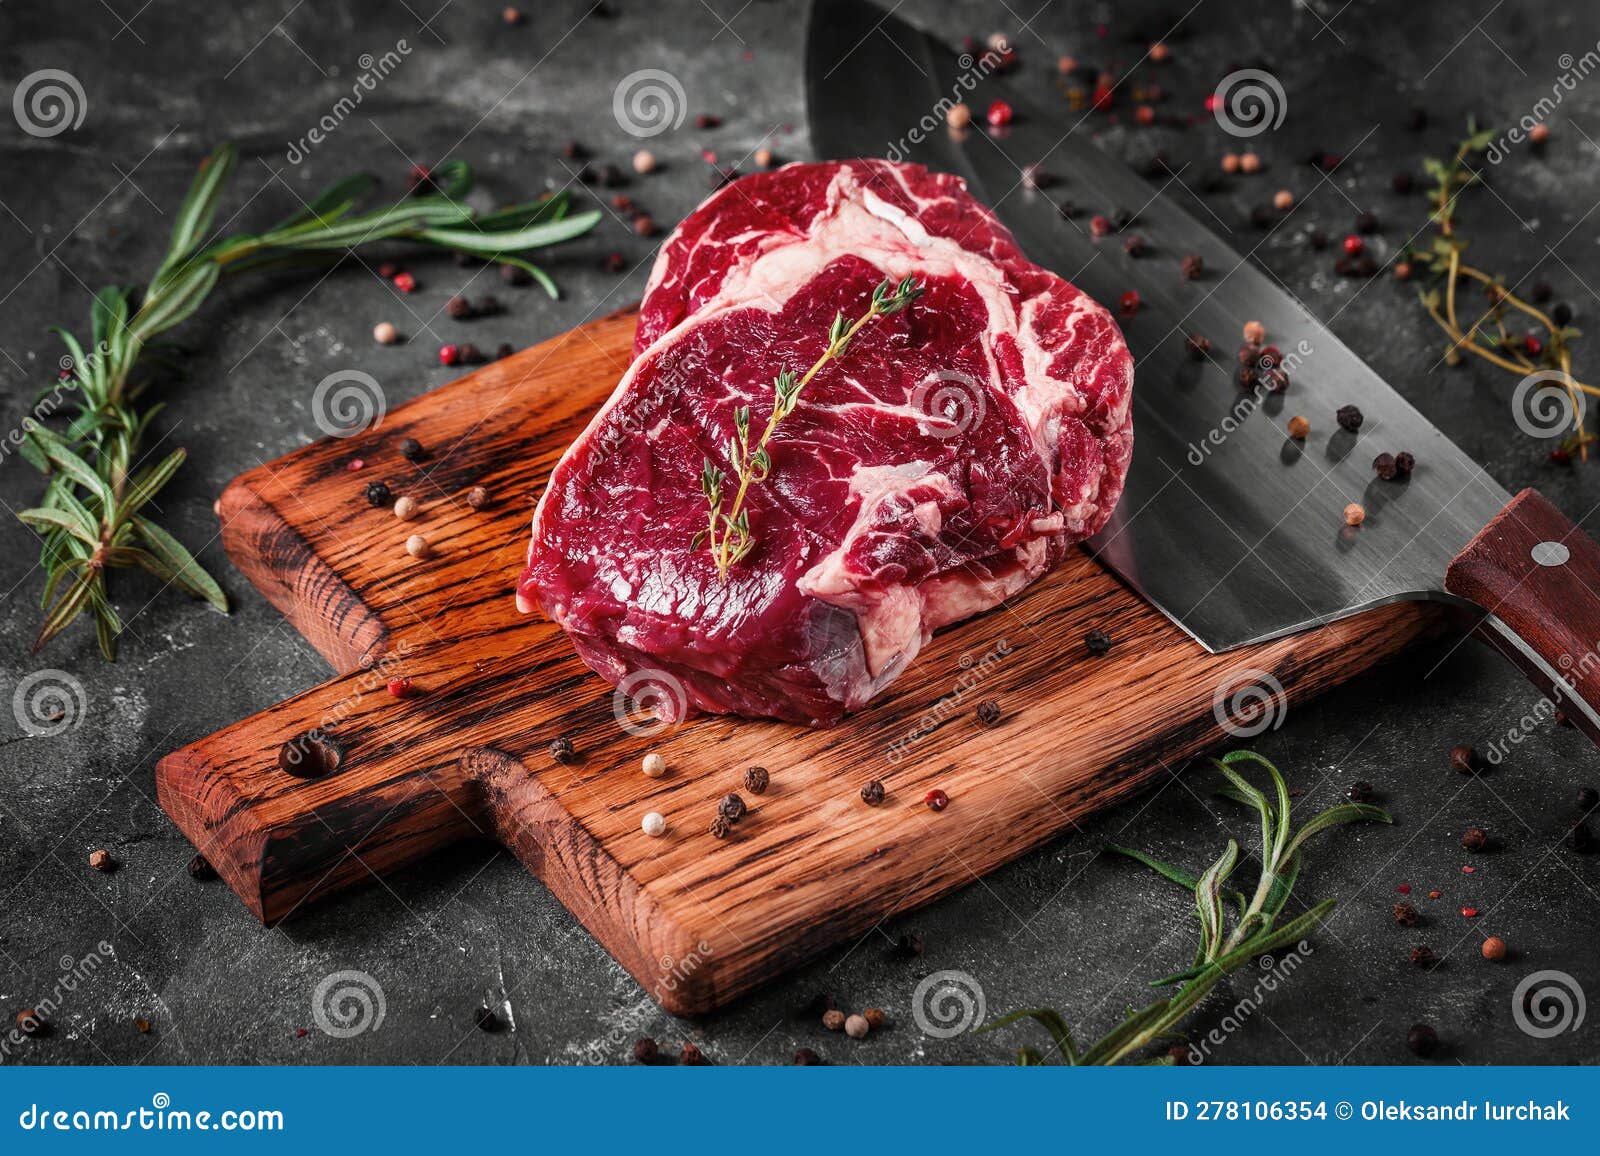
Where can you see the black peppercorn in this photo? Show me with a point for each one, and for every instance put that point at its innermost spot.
(872, 793)
(692, 1057)
(515, 275)
(1588, 798)
(806, 1058)
(411, 449)
(1422, 955)
(30, 1023)
(909, 945)
(1401, 182)
(1561, 314)
(1361, 791)
(200, 869)
(720, 828)
(611, 176)
(1383, 466)
(1404, 463)
(731, 808)
(574, 151)
(756, 780)
(1198, 345)
(378, 494)
(1134, 245)
(1098, 642)
(471, 354)
(1349, 418)
(1422, 1040)
(1474, 838)
(1406, 915)
(988, 712)
(1579, 838)
(1463, 759)
(1192, 267)
(458, 307)
(1367, 223)
(562, 750)
(504, 350)
(645, 1051)
(486, 1018)
(1275, 379)
(487, 307)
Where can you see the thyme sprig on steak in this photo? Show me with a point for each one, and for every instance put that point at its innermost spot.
(728, 531)
(96, 511)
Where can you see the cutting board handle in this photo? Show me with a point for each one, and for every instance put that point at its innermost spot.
(1537, 576)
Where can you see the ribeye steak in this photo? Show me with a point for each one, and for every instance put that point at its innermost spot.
(950, 457)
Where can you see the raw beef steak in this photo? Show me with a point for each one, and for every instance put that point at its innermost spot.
(950, 457)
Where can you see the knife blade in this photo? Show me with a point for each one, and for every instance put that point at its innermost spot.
(1228, 526)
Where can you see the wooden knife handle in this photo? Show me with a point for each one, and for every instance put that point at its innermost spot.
(1537, 575)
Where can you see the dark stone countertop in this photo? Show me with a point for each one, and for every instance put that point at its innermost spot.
(1060, 926)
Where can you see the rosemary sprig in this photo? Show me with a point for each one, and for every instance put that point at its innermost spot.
(728, 531)
(1221, 951)
(93, 516)
(1488, 337)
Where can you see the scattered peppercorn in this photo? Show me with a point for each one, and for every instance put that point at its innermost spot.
(486, 1018)
(1402, 270)
(644, 225)
(399, 687)
(1249, 163)
(1562, 313)
(1282, 200)
(732, 807)
(720, 828)
(874, 1017)
(1193, 267)
(1354, 514)
(471, 354)
(653, 824)
(988, 712)
(1299, 427)
(1000, 114)
(1494, 948)
(833, 1019)
(458, 307)
(1360, 791)
(806, 1058)
(487, 306)
(1474, 838)
(936, 800)
(1198, 345)
(102, 861)
(1098, 642)
(30, 1023)
(1134, 245)
(959, 117)
(1405, 915)
(1383, 466)
(645, 1051)
(562, 750)
(1348, 417)
(1463, 758)
(1254, 333)
(143, 1026)
(405, 282)
(1404, 463)
(1422, 956)
(756, 780)
(378, 494)
(1261, 217)
(405, 507)
(872, 793)
(411, 449)
(1469, 913)
(1422, 1040)
(1099, 226)
(449, 355)
(763, 158)
(384, 333)
(691, 1056)
(504, 350)
(200, 870)
(857, 1027)
(1401, 182)
(478, 497)
(909, 945)
(515, 275)
(417, 546)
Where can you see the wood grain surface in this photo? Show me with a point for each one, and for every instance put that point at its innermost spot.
(696, 920)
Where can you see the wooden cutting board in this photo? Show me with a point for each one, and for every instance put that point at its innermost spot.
(696, 920)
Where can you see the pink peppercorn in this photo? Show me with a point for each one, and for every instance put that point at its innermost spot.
(936, 799)
(999, 114)
(449, 355)
(400, 687)
(405, 282)
(1354, 244)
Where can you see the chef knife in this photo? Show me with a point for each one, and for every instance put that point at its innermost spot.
(1229, 527)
